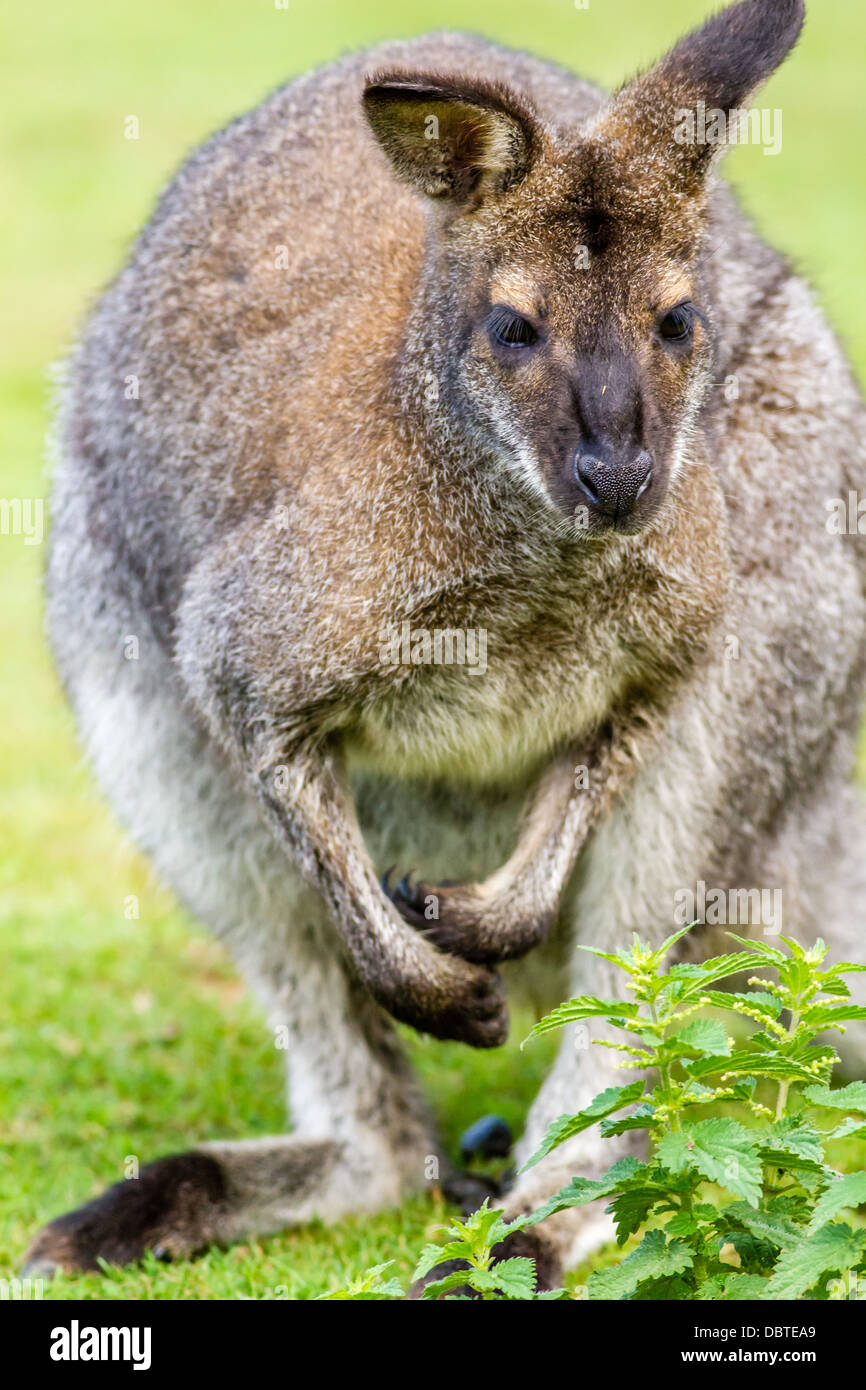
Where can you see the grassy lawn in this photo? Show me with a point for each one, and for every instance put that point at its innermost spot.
(133, 1037)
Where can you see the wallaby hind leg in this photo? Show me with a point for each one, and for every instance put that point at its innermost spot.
(361, 1131)
(361, 1138)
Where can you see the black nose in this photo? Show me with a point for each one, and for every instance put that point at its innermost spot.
(612, 485)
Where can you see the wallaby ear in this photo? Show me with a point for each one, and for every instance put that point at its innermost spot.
(448, 138)
(721, 64)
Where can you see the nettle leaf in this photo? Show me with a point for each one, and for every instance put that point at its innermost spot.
(458, 1280)
(751, 1064)
(630, 1210)
(654, 1258)
(850, 1097)
(580, 1191)
(844, 1192)
(704, 1035)
(697, 978)
(640, 1118)
(794, 1145)
(369, 1287)
(485, 1226)
(669, 941)
(776, 1228)
(826, 1015)
(748, 1287)
(852, 1128)
(515, 1278)
(831, 1250)
(672, 1289)
(606, 1103)
(755, 1000)
(583, 1006)
(720, 1150)
(837, 987)
(755, 1254)
(437, 1254)
(759, 947)
(683, 1224)
(626, 960)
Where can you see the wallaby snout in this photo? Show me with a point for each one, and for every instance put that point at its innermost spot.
(613, 486)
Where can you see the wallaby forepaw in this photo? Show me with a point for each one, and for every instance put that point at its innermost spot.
(173, 1208)
(456, 920)
(444, 914)
(467, 1005)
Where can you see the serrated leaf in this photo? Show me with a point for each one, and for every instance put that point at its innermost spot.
(640, 1118)
(433, 1255)
(630, 1210)
(367, 1288)
(852, 1128)
(582, 1006)
(831, 1250)
(704, 1035)
(836, 987)
(716, 969)
(751, 1287)
(683, 1224)
(720, 1150)
(842, 1193)
(654, 1258)
(751, 1064)
(567, 1126)
(826, 1015)
(850, 1097)
(515, 1278)
(669, 941)
(793, 1145)
(580, 1190)
(755, 999)
(434, 1290)
(777, 1229)
(758, 947)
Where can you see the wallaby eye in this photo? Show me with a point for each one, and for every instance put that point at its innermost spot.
(510, 329)
(677, 324)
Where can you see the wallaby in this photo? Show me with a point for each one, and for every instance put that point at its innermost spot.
(438, 351)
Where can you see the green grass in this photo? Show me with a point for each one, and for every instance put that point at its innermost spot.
(122, 1037)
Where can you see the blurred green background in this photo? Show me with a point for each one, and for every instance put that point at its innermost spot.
(132, 1037)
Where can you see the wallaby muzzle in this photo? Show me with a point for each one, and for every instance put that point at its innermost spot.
(613, 483)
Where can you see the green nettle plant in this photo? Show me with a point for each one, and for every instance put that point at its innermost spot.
(781, 1236)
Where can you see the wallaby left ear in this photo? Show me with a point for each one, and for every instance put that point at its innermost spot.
(449, 138)
(721, 64)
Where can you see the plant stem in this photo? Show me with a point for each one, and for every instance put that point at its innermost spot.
(784, 1086)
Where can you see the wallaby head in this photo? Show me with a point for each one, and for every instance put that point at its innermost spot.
(562, 307)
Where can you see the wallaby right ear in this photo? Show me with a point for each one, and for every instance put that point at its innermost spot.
(721, 64)
(449, 138)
